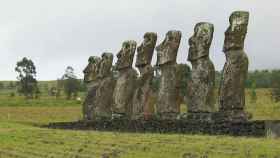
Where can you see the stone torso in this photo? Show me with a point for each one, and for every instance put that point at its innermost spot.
(104, 98)
(142, 95)
(201, 86)
(168, 92)
(90, 101)
(123, 92)
(232, 90)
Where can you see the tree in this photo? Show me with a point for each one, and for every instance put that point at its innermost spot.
(2, 85)
(26, 75)
(59, 87)
(46, 87)
(11, 85)
(71, 84)
(275, 80)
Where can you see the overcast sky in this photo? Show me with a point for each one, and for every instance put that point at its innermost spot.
(58, 33)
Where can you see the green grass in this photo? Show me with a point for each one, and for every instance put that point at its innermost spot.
(20, 135)
(264, 108)
(43, 101)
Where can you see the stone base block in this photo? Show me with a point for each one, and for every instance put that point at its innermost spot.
(231, 116)
(202, 117)
(250, 128)
(168, 116)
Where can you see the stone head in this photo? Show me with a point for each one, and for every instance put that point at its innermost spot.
(201, 41)
(236, 32)
(146, 49)
(168, 49)
(125, 55)
(91, 71)
(105, 65)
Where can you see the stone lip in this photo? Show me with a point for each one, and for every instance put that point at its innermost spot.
(248, 128)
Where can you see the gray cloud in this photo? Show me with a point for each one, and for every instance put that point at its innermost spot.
(55, 34)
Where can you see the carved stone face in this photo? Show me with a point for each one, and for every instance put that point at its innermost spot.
(125, 55)
(167, 50)
(91, 71)
(105, 65)
(236, 32)
(146, 49)
(200, 41)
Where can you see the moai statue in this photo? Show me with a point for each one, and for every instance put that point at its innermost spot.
(105, 89)
(125, 84)
(232, 88)
(142, 108)
(90, 78)
(201, 86)
(166, 60)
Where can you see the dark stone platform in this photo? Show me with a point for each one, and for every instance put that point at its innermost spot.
(247, 128)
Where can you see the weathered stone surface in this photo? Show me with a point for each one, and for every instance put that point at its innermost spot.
(91, 71)
(105, 69)
(183, 74)
(104, 92)
(201, 86)
(125, 84)
(142, 107)
(126, 54)
(236, 32)
(232, 88)
(168, 49)
(90, 77)
(146, 50)
(166, 60)
(89, 102)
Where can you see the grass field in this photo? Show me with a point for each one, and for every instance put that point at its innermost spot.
(21, 136)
